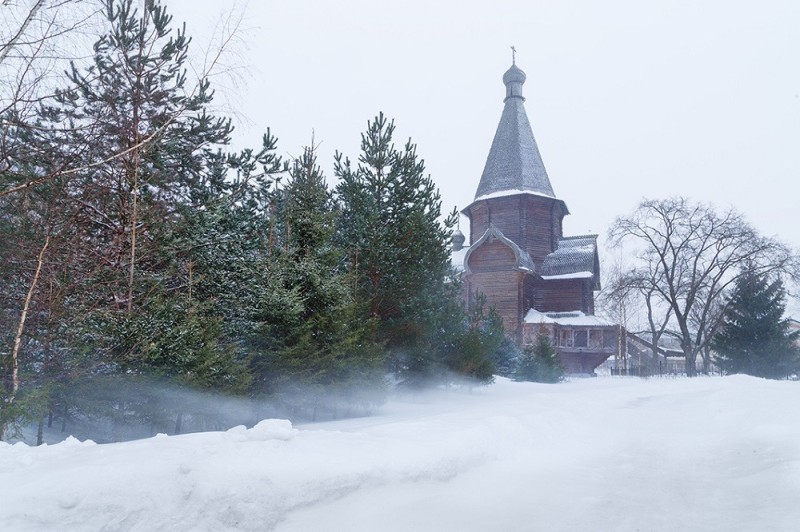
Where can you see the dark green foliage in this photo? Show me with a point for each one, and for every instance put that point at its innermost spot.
(391, 231)
(330, 362)
(140, 151)
(322, 352)
(172, 265)
(160, 163)
(755, 338)
(398, 251)
(506, 357)
(150, 152)
(539, 362)
(226, 241)
(477, 346)
(174, 339)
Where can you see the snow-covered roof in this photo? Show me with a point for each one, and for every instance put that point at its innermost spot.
(574, 258)
(574, 318)
(512, 192)
(576, 275)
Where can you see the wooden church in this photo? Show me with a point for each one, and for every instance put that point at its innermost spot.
(538, 279)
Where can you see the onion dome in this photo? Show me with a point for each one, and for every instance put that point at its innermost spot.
(458, 240)
(514, 79)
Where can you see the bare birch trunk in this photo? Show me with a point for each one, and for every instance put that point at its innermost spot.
(22, 319)
(7, 47)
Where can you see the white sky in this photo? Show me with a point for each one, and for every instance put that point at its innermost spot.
(627, 99)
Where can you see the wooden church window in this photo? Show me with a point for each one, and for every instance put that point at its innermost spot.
(595, 338)
(566, 338)
(580, 338)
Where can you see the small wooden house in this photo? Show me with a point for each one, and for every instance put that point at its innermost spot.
(518, 256)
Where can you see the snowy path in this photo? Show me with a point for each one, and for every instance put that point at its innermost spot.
(603, 454)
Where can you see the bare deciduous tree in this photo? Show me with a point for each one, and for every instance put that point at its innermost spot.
(689, 256)
(635, 289)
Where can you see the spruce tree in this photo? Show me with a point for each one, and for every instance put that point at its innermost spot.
(755, 338)
(539, 362)
(323, 354)
(477, 341)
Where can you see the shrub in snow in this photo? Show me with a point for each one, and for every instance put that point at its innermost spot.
(539, 363)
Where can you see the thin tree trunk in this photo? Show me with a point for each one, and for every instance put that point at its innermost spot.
(132, 268)
(706, 356)
(40, 432)
(23, 317)
(137, 155)
(134, 215)
(191, 275)
(7, 47)
(271, 224)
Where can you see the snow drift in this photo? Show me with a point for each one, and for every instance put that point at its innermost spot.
(595, 454)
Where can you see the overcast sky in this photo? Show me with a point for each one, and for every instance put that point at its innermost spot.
(627, 99)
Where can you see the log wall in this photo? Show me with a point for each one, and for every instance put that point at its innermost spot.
(503, 290)
(563, 295)
(494, 274)
(534, 223)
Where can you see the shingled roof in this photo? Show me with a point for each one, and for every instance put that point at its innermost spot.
(514, 164)
(575, 257)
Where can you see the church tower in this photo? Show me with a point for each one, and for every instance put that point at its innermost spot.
(514, 194)
(518, 257)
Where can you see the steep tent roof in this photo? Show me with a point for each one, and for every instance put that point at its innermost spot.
(514, 164)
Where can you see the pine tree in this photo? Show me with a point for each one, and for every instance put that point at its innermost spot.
(755, 338)
(398, 249)
(540, 363)
(151, 149)
(149, 143)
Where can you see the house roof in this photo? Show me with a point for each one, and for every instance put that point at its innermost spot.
(514, 163)
(524, 261)
(574, 257)
(574, 318)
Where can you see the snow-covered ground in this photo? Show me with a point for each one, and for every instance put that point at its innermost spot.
(589, 455)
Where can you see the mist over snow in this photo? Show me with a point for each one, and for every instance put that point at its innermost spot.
(594, 454)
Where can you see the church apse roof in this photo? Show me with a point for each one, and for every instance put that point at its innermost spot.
(523, 259)
(514, 165)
